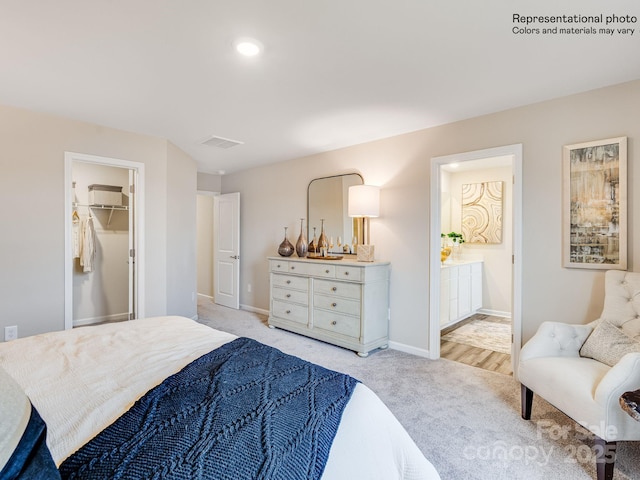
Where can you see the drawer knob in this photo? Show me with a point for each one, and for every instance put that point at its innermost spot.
(335, 289)
(288, 311)
(334, 304)
(288, 282)
(327, 271)
(293, 267)
(346, 273)
(278, 266)
(288, 295)
(334, 323)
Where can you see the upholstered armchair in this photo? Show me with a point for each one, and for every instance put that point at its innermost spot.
(584, 369)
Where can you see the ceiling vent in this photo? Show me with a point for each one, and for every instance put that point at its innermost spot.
(221, 142)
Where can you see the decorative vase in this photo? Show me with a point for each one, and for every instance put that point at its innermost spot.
(314, 243)
(323, 244)
(301, 245)
(285, 249)
(456, 249)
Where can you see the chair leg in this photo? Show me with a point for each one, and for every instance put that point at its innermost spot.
(526, 398)
(605, 458)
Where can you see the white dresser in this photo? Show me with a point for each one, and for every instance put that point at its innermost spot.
(460, 291)
(342, 302)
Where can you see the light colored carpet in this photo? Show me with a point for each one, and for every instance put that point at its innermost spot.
(465, 420)
(482, 334)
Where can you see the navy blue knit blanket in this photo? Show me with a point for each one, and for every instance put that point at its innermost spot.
(242, 411)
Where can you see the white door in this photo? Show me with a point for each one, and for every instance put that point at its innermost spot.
(226, 261)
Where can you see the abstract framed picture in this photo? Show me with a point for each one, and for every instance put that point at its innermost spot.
(482, 212)
(595, 204)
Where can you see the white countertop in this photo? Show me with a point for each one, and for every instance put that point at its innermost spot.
(463, 261)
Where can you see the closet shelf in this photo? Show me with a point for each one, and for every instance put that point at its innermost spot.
(104, 207)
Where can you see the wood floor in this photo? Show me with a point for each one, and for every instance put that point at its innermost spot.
(474, 356)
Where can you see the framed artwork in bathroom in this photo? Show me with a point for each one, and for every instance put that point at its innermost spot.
(595, 204)
(482, 212)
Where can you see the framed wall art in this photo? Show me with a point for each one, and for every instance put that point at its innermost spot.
(482, 212)
(595, 204)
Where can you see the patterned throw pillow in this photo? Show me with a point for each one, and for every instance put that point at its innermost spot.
(608, 344)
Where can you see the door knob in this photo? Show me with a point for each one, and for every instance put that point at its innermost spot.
(236, 257)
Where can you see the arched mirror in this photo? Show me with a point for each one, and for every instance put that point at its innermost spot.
(328, 199)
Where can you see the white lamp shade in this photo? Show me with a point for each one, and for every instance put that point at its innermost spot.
(364, 201)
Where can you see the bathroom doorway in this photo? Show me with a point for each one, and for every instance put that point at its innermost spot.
(103, 239)
(476, 293)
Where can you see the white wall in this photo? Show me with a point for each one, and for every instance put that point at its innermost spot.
(274, 196)
(32, 147)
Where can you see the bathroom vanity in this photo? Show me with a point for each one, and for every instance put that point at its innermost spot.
(460, 291)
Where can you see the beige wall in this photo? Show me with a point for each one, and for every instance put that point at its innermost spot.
(208, 182)
(275, 196)
(32, 213)
(181, 233)
(204, 235)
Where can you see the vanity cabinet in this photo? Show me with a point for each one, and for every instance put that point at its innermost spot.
(460, 291)
(342, 302)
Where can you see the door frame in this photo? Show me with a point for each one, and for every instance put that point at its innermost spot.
(515, 151)
(138, 202)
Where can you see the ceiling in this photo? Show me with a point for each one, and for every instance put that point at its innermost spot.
(333, 73)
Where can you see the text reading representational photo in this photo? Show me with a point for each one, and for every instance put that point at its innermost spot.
(595, 204)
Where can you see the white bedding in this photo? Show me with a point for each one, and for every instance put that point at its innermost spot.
(82, 380)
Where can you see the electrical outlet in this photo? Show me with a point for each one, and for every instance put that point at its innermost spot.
(248, 287)
(10, 333)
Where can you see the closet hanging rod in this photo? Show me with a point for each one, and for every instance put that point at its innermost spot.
(105, 207)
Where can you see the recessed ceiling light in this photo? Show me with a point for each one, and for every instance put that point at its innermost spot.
(248, 47)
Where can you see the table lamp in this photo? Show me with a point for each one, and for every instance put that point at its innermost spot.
(364, 202)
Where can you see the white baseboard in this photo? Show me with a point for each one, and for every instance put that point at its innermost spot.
(116, 317)
(205, 296)
(495, 313)
(420, 352)
(250, 308)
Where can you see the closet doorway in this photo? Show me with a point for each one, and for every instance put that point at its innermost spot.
(502, 259)
(104, 257)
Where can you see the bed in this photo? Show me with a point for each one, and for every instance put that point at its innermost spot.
(83, 381)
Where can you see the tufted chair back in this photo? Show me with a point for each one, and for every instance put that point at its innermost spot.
(622, 301)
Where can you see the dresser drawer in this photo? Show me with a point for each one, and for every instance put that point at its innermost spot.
(290, 311)
(349, 273)
(342, 289)
(313, 269)
(334, 322)
(288, 295)
(336, 304)
(290, 281)
(279, 265)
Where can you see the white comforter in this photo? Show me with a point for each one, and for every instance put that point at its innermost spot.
(82, 380)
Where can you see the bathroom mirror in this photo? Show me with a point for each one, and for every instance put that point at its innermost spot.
(328, 198)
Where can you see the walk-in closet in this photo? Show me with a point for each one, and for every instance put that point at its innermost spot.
(100, 241)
